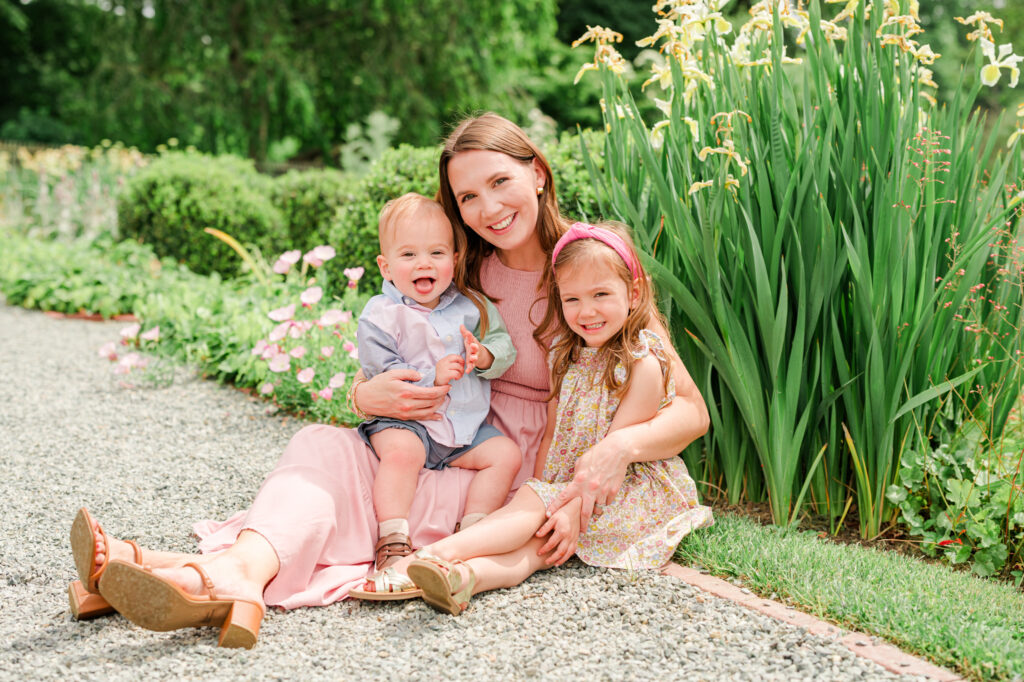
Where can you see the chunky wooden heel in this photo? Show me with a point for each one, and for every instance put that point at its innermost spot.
(242, 626)
(155, 603)
(86, 604)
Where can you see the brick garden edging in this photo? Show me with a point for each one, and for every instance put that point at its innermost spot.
(883, 653)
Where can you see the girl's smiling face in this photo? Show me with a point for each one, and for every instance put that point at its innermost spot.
(497, 198)
(595, 300)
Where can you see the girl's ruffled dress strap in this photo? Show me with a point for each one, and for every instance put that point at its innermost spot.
(649, 343)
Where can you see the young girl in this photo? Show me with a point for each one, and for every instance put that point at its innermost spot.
(609, 370)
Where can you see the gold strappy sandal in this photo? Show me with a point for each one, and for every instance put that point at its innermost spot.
(386, 585)
(441, 582)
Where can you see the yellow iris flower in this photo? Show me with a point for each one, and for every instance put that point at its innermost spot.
(991, 72)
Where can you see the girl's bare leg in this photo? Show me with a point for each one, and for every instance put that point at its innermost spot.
(504, 530)
(505, 570)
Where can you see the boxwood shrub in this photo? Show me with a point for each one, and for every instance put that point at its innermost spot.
(169, 203)
(309, 201)
(576, 196)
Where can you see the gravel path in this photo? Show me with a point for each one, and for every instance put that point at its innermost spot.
(150, 459)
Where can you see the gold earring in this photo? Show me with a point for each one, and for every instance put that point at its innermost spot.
(540, 190)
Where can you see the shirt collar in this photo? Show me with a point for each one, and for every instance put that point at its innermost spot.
(392, 292)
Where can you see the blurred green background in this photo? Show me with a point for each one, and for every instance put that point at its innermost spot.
(332, 81)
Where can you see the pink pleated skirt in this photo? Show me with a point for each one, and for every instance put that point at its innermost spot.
(316, 506)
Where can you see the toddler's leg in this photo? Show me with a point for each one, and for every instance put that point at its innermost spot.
(401, 456)
(496, 461)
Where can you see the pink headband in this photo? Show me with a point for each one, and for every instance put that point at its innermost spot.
(614, 241)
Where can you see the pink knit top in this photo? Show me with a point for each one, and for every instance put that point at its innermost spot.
(522, 307)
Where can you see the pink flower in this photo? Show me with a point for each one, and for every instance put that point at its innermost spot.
(271, 351)
(319, 255)
(286, 260)
(337, 381)
(151, 334)
(333, 317)
(130, 332)
(299, 328)
(108, 351)
(327, 351)
(260, 346)
(266, 388)
(279, 363)
(353, 275)
(351, 349)
(326, 393)
(282, 314)
(311, 296)
(305, 376)
(298, 352)
(129, 362)
(279, 332)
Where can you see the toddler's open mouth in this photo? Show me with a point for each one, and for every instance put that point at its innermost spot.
(424, 285)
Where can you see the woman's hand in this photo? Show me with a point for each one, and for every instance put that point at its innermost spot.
(600, 472)
(390, 394)
(564, 528)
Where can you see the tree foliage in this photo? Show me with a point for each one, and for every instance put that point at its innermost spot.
(236, 75)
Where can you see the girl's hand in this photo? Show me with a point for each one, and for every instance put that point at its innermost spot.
(564, 527)
(600, 472)
(476, 354)
(389, 394)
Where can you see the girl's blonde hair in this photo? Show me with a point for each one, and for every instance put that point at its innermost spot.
(405, 208)
(490, 132)
(566, 345)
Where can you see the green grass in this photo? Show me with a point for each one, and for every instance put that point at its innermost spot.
(950, 617)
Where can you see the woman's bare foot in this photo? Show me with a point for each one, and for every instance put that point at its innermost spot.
(241, 571)
(230, 577)
(122, 551)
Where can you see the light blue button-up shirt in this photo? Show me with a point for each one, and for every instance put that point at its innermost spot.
(396, 332)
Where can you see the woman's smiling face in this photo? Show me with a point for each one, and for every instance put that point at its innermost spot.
(497, 197)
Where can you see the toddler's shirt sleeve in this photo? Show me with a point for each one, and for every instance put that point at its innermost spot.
(498, 342)
(377, 353)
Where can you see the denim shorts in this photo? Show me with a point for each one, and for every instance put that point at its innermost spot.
(438, 456)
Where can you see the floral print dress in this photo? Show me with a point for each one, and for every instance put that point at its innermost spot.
(657, 504)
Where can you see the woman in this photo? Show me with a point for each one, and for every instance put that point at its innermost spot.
(310, 533)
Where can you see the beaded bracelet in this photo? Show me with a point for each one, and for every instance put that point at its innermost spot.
(352, 398)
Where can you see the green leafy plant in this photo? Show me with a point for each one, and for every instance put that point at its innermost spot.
(66, 192)
(799, 213)
(966, 502)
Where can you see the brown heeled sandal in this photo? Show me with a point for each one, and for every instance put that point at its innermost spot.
(389, 549)
(157, 604)
(83, 594)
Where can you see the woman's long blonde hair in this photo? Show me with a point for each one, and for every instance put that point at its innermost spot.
(490, 132)
(566, 345)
